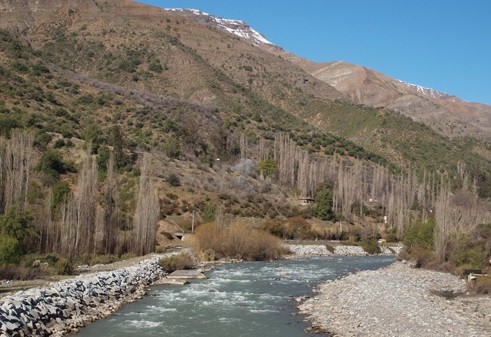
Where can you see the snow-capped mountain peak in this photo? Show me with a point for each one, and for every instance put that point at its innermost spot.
(235, 27)
(429, 92)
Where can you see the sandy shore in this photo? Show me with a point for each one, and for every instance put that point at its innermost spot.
(398, 301)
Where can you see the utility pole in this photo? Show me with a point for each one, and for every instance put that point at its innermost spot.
(192, 224)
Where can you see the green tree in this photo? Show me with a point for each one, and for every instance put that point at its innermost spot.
(323, 204)
(209, 212)
(10, 250)
(420, 234)
(16, 224)
(116, 139)
(268, 166)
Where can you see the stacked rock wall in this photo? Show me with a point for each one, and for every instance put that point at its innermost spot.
(66, 306)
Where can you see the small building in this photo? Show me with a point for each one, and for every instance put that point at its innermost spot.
(304, 201)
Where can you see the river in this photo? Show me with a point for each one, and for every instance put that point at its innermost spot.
(242, 299)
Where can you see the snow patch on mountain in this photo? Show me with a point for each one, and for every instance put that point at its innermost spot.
(235, 27)
(428, 92)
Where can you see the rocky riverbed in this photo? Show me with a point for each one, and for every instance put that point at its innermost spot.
(399, 301)
(304, 251)
(65, 306)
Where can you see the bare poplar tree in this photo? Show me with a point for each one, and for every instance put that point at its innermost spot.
(147, 210)
(85, 205)
(111, 210)
(16, 168)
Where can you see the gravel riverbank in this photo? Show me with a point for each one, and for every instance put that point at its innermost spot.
(398, 301)
(304, 251)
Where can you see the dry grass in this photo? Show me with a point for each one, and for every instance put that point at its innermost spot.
(178, 262)
(238, 241)
(483, 285)
(14, 272)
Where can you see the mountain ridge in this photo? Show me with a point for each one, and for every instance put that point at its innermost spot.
(148, 49)
(445, 113)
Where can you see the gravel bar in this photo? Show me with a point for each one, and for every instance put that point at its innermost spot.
(399, 300)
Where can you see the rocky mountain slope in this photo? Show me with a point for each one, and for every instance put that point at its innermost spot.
(446, 114)
(209, 64)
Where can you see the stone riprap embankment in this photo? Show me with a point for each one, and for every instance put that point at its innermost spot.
(66, 306)
(303, 251)
(399, 301)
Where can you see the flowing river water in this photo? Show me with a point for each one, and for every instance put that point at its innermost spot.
(241, 299)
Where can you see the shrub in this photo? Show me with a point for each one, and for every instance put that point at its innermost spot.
(274, 227)
(419, 234)
(64, 267)
(371, 247)
(238, 241)
(421, 256)
(268, 167)
(483, 285)
(15, 272)
(209, 212)
(467, 252)
(59, 143)
(177, 262)
(10, 250)
(330, 248)
(103, 259)
(173, 180)
(299, 229)
(61, 189)
(52, 165)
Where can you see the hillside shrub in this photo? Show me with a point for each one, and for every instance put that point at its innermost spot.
(238, 241)
(268, 167)
(209, 212)
(173, 180)
(52, 165)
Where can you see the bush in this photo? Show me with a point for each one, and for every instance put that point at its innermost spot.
(238, 241)
(61, 189)
(299, 229)
(274, 228)
(371, 247)
(10, 250)
(209, 212)
(64, 267)
(14, 272)
(173, 180)
(330, 248)
(52, 165)
(419, 234)
(422, 257)
(178, 262)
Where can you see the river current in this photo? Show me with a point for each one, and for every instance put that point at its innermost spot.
(250, 299)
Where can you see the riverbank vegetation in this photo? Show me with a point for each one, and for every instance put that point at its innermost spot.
(237, 241)
(91, 169)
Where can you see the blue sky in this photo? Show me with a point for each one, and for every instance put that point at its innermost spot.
(441, 44)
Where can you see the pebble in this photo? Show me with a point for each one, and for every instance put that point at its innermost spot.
(398, 301)
(303, 251)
